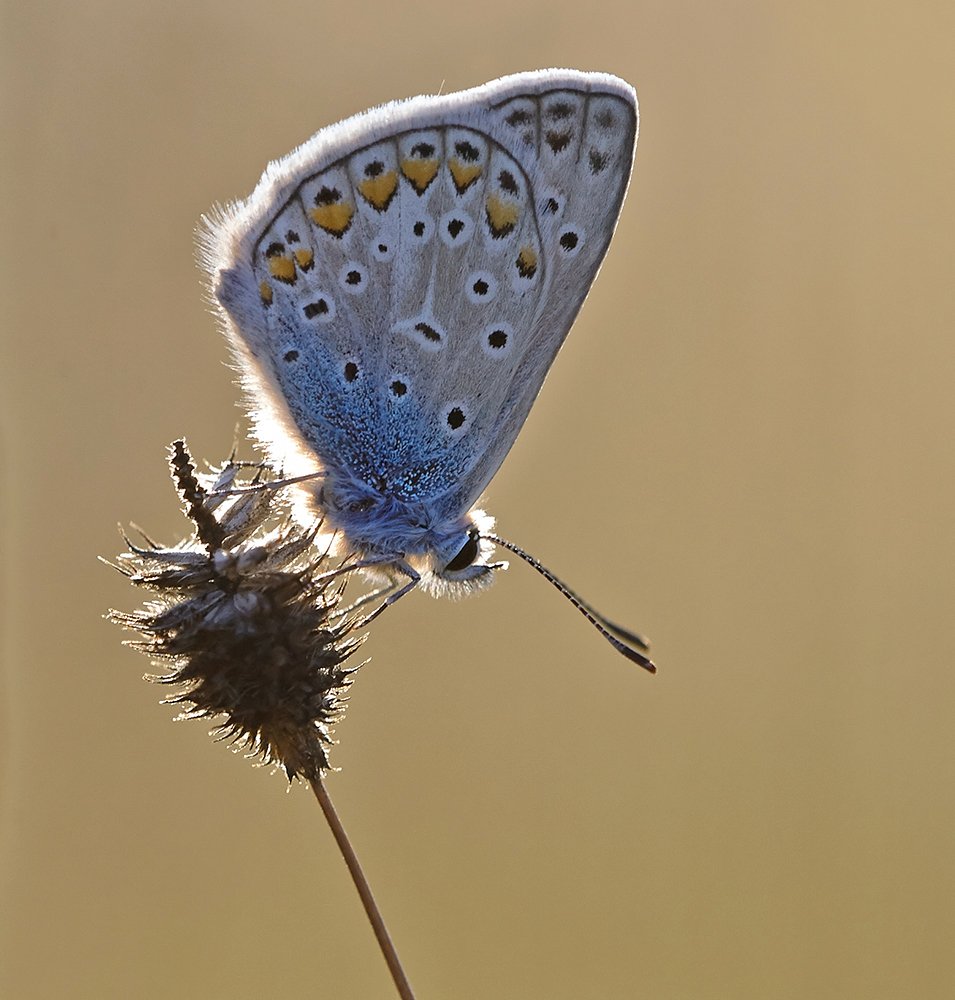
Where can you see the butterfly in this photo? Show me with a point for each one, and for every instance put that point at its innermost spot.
(395, 291)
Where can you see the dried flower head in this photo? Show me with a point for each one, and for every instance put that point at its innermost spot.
(247, 614)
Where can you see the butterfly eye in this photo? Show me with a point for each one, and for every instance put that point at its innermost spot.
(467, 554)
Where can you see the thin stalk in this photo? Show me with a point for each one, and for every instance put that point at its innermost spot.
(364, 890)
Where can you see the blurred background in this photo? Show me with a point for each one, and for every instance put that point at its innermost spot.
(743, 450)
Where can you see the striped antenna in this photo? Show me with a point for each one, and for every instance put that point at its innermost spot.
(630, 644)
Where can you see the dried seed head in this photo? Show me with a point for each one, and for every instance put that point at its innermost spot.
(246, 616)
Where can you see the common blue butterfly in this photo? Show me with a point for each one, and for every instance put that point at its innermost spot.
(395, 291)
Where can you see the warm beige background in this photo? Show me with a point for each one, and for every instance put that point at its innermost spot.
(745, 449)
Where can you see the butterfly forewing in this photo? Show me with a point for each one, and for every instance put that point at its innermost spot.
(577, 147)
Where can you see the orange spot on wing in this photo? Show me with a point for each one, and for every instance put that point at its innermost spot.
(464, 174)
(378, 191)
(419, 172)
(305, 259)
(502, 215)
(282, 268)
(527, 262)
(335, 218)
(265, 293)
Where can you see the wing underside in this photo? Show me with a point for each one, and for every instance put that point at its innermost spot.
(396, 302)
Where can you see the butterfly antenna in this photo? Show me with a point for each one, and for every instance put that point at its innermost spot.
(622, 639)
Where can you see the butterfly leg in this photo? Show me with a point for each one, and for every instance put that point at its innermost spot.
(364, 599)
(414, 578)
(272, 484)
(349, 567)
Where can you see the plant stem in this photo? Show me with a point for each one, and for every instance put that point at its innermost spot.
(364, 890)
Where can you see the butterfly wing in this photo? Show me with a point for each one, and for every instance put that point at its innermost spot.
(574, 135)
(396, 289)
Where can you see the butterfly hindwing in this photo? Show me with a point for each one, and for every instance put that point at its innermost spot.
(398, 287)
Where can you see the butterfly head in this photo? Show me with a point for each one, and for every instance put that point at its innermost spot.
(461, 558)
